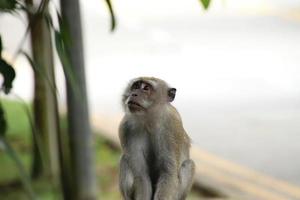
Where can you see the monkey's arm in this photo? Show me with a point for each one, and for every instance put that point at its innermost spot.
(173, 148)
(167, 185)
(134, 179)
(134, 182)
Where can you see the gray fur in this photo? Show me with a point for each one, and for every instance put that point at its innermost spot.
(155, 164)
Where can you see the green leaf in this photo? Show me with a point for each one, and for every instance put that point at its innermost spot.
(112, 15)
(48, 19)
(34, 130)
(60, 44)
(5, 146)
(40, 71)
(21, 169)
(8, 5)
(2, 145)
(1, 47)
(3, 125)
(205, 3)
(64, 33)
(31, 62)
(9, 75)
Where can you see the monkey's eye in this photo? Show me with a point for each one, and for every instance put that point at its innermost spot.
(136, 86)
(146, 87)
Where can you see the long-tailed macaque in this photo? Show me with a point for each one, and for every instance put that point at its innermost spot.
(155, 164)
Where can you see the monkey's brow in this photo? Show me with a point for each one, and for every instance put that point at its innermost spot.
(136, 83)
(151, 84)
(140, 82)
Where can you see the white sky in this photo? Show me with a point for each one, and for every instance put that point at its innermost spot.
(236, 51)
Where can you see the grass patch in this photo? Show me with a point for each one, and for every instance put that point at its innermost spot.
(19, 135)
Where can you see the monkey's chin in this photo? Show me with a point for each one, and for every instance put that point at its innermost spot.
(133, 108)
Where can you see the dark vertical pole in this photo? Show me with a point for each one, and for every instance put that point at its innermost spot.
(78, 115)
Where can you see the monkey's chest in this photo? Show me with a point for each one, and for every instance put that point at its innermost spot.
(156, 154)
(154, 164)
(154, 150)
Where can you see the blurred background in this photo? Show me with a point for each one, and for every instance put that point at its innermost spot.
(236, 67)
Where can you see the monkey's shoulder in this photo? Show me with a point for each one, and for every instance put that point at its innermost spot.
(129, 127)
(176, 127)
(132, 136)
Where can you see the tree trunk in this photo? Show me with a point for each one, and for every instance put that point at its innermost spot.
(46, 121)
(78, 116)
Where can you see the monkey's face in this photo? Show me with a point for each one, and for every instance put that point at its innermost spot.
(144, 94)
(139, 97)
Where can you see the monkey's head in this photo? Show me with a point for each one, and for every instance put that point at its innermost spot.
(147, 93)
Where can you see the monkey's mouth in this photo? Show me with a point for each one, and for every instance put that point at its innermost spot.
(133, 106)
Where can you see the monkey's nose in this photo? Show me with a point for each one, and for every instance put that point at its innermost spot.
(134, 95)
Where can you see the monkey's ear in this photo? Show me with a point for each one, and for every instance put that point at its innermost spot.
(171, 94)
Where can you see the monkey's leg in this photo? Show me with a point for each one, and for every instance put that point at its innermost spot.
(167, 184)
(134, 182)
(142, 188)
(186, 175)
(166, 188)
(126, 179)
